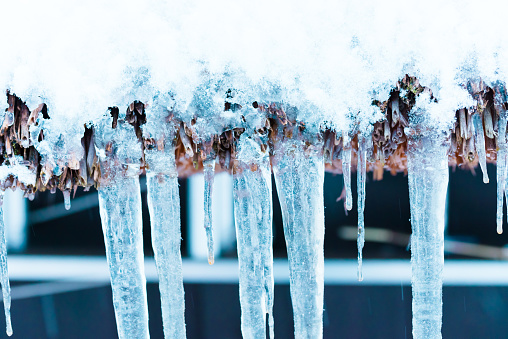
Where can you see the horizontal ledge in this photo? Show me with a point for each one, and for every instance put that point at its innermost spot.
(225, 271)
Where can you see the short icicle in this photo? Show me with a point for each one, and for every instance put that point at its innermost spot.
(480, 146)
(6, 289)
(501, 170)
(361, 177)
(253, 219)
(120, 211)
(428, 183)
(299, 178)
(209, 172)
(67, 199)
(164, 207)
(346, 172)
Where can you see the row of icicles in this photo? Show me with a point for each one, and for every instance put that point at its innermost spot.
(299, 177)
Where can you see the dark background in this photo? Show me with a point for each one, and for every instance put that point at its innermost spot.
(213, 310)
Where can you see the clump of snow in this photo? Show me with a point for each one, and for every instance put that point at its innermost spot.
(330, 60)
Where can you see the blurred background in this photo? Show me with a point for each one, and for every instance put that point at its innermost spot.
(60, 282)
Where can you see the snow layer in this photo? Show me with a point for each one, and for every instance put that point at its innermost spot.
(333, 57)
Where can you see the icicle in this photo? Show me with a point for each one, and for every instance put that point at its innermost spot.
(501, 170)
(6, 289)
(299, 178)
(120, 211)
(480, 145)
(346, 172)
(361, 176)
(428, 183)
(67, 199)
(209, 171)
(253, 219)
(164, 207)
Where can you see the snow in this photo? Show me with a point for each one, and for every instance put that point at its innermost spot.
(295, 52)
(327, 59)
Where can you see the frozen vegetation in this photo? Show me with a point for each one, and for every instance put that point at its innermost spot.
(326, 63)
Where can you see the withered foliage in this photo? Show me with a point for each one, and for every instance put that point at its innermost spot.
(388, 152)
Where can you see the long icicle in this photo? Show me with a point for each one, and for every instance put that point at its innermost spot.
(501, 170)
(361, 177)
(253, 219)
(6, 289)
(121, 217)
(480, 145)
(164, 207)
(209, 172)
(299, 178)
(428, 183)
(346, 172)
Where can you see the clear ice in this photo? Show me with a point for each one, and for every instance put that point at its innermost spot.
(480, 146)
(428, 183)
(67, 199)
(164, 207)
(6, 289)
(361, 177)
(209, 172)
(346, 172)
(299, 178)
(121, 217)
(501, 164)
(252, 191)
